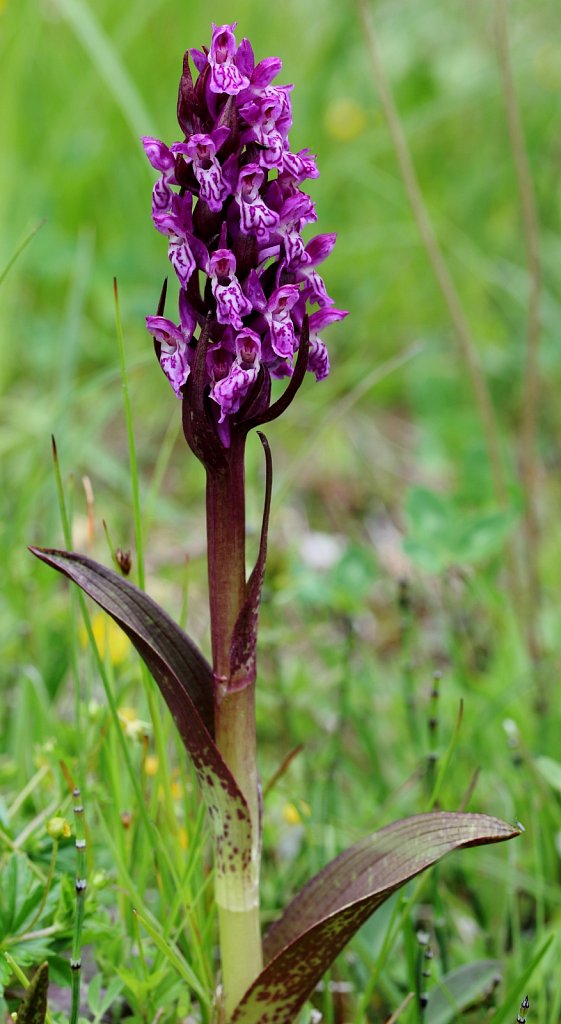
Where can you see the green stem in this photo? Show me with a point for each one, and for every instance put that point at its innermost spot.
(81, 884)
(240, 936)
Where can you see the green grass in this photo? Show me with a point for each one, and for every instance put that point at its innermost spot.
(345, 672)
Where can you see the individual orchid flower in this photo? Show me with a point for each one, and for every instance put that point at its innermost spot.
(270, 117)
(172, 344)
(316, 251)
(297, 211)
(225, 75)
(231, 389)
(301, 165)
(256, 218)
(281, 326)
(201, 151)
(231, 303)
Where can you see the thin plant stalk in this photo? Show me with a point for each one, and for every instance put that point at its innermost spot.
(67, 534)
(23, 245)
(531, 376)
(81, 886)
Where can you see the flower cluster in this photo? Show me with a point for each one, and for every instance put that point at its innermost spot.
(230, 202)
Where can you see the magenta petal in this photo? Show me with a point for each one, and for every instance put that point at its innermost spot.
(230, 392)
(319, 248)
(230, 172)
(283, 339)
(298, 208)
(301, 165)
(315, 290)
(248, 347)
(254, 292)
(163, 330)
(182, 261)
(161, 202)
(318, 359)
(231, 303)
(226, 78)
(176, 368)
(257, 219)
(214, 189)
(323, 317)
(198, 249)
(245, 60)
(219, 136)
(283, 299)
(187, 315)
(265, 71)
(159, 155)
(200, 59)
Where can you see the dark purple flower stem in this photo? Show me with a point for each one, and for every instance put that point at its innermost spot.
(234, 709)
(225, 520)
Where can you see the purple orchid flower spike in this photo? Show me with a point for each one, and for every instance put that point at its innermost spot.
(229, 198)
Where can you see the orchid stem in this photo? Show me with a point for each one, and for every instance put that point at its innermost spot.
(240, 937)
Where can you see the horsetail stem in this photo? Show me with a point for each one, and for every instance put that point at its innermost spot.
(81, 886)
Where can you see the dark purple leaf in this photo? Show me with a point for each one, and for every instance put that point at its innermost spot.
(185, 680)
(321, 919)
(152, 631)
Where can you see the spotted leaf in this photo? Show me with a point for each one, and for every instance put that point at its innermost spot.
(321, 919)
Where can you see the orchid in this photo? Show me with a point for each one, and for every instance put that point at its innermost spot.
(228, 198)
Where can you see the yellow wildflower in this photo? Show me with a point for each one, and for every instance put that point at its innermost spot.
(176, 790)
(291, 814)
(151, 764)
(108, 637)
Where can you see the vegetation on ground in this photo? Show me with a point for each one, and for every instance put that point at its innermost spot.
(409, 646)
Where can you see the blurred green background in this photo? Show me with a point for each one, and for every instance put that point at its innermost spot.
(80, 84)
(382, 471)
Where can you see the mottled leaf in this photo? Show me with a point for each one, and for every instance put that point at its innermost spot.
(185, 680)
(152, 631)
(33, 1009)
(321, 919)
